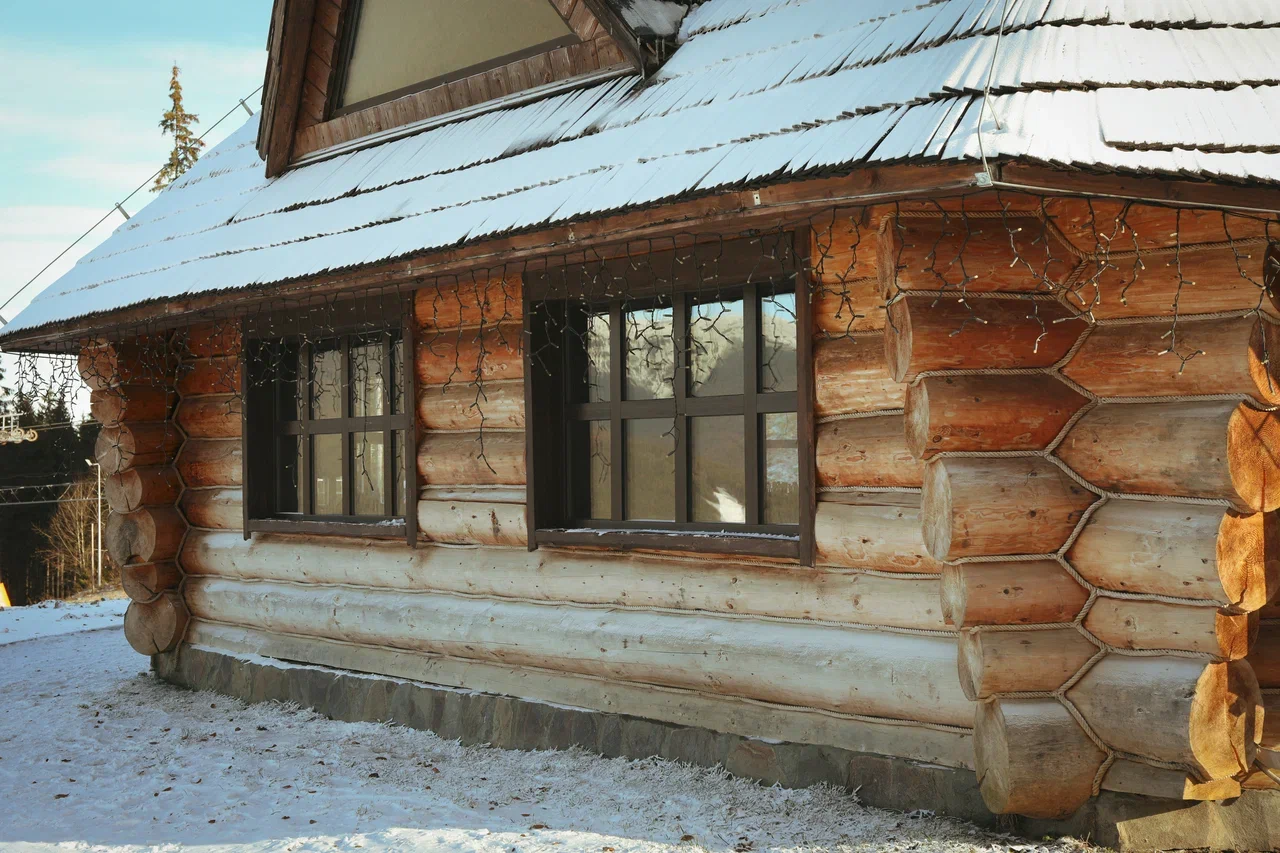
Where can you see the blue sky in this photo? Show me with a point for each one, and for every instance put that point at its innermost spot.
(86, 82)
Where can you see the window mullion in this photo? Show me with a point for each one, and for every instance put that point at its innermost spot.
(304, 392)
(680, 328)
(617, 369)
(750, 385)
(347, 456)
(388, 445)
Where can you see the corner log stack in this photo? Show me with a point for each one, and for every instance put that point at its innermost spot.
(210, 412)
(132, 395)
(987, 400)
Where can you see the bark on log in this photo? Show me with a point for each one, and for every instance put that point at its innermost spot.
(926, 334)
(866, 452)
(156, 485)
(567, 576)
(994, 662)
(1204, 716)
(474, 299)
(861, 672)
(1231, 356)
(149, 535)
(1182, 551)
(1127, 624)
(1025, 593)
(454, 459)
(458, 523)
(1033, 758)
(460, 357)
(848, 308)
(463, 406)
(1264, 657)
(218, 375)
(209, 462)
(850, 375)
(214, 509)
(1195, 449)
(211, 339)
(130, 404)
(136, 445)
(145, 582)
(984, 413)
(1130, 777)
(880, 538)
(215, 416)
(991, 507)
(1018, 253)
(158, 626)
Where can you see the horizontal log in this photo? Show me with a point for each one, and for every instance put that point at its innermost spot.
(156, 485)
(1011, 593)
(130, 404)
(157, 626)
(459, 523)
(464, 406)
(214, 509)
(136, 445)
(1217, 450)
(1229, 356)
(851, 376)
(217, 375)
(1016, 253)
(1093, 224)
(469, 300)
(557, 575)
(145, 582)
(848, 308)
(209, 462)
(217, 416)
(991, 507)
(927, 333)
(148, 535)
(144, 361)
(1183, 551)
(843, 248)
(985, 413)
(858, 671)
(1033, 758)
(1128, 624)
(1264, 657)
(879, 538)
(994, 662)
(464, 356)
(1203, 716)
(208, 340)
(780, 723)
(472, 458)
(471, 494)
(866, 452)
(1130, 777)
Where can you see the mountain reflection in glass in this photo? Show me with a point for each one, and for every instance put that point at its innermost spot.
(778, 343)
(650, 353)
(716, 348)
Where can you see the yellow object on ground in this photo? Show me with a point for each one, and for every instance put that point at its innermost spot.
(4, 597)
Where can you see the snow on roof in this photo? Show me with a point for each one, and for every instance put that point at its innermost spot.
(758, 89)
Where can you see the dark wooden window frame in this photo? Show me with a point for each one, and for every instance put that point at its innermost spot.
(739, 269)
(263, 428)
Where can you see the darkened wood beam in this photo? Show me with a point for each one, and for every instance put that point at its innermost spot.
(289, 61)
(613, 24)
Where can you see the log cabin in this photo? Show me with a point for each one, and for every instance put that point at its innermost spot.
(879, 394)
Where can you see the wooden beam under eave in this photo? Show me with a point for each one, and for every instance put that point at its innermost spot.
(295, 40)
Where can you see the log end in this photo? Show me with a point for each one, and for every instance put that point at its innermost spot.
(157, 626)
(1253, 453)
(1264, 360)
(1248, 552)
(1226, 721)
(888, 253)
(144, 583)
(917, 420)
(935, 510)
(897, 341)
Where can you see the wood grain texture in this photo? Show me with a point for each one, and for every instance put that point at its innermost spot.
(157, 626)
(866, 452)
(995, 662)
(469, 300)
(145, 582)
(881, 538)
(211, 462)
(154, 485)
(1012, 593)
(469, 406)
(148, 535)
(473, 523)
(468, 459)
(213, 508)
(135, 445)
(464, 356)
(215, 416)
(851, 376)
(1126, 624)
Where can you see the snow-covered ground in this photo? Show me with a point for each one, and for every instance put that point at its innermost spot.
(51, 618)
(97, 754)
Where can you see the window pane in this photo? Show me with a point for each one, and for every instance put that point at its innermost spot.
(718, 469)
(781, 469)
(368, 379)
(397, 439)
(289, 474)
(597, 358)
(600, 469)
(326, 475)
(397, 376)
(369, 470)
(778, 347)
(650, 488)
(715, 348)
(326, 381)
(650, 352)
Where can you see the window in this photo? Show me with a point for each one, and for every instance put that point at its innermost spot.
(329, 429)
(678, 415)
(397, 47)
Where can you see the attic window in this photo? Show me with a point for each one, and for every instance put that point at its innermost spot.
(394, 48)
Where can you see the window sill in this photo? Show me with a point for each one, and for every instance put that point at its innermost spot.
(736, 544)
(360, 529)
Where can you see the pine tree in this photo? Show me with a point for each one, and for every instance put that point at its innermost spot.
(179, 124)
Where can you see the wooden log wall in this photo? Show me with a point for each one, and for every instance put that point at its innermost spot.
(1099, 488)
(469, 367)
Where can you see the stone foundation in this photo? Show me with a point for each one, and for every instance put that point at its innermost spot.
(1251, 822)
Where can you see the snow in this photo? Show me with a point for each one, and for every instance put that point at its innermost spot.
(51, 618)
(96, 753)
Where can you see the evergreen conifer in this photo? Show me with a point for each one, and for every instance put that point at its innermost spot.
(179, 124)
